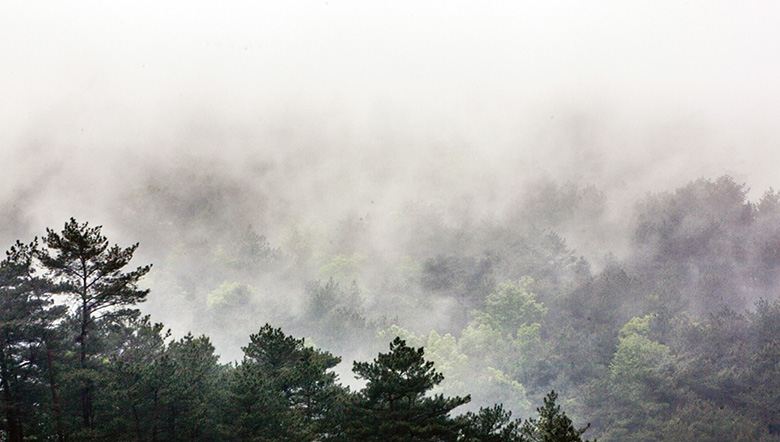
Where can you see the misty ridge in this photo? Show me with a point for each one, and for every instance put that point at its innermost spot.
(299, 208)
(651, 310)
(389, 221)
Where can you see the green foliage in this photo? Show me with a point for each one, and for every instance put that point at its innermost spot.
(701, 420)
(492, 424)
(512, 305)
(654, 346)
(333, 311)
(232, 295)
(283, 390)
(505, 341)
(637, 386)
(394, 406)
(552, 425)
(86, 269)
(154, 389)
(193, 396)
(496, 352)
(637, 358)
(495, 364)
(136, 380)
(468, 371)
(27, 321)
(342, 269)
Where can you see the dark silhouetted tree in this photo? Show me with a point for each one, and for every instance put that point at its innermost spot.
(283, 390)
(492, 424)
(552, 425)
(92, 274)
(27, 318)
(393, 406)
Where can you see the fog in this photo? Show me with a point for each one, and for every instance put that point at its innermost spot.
(176, 123)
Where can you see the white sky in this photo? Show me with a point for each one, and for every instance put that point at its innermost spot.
(83, 75)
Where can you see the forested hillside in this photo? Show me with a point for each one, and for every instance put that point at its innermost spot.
(341, 220)
(674, 337)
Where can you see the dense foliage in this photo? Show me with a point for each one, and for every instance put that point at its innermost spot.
(677, 339)
(90, 368)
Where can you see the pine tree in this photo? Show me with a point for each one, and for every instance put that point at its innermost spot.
(26, 320)
(552, 426)
(284, 390)
(192, 400)
(492, 424)
(394, 407)
(90, 272)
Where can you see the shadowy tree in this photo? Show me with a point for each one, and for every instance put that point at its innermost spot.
(492, 424)
(552, 425)
(135, 380)
(393, 406)
(26, 317)
(86, 269)
(283, 390)
(192, 398)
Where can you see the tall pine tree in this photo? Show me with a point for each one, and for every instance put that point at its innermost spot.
(92, 274)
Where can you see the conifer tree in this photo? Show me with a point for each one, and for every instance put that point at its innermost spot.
(394, 407)
(552, 425)
(492, 424)
(27, 317)
(86, 269)
(284, 390)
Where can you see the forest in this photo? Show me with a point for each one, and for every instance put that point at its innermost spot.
(498, 329)
(340, 220)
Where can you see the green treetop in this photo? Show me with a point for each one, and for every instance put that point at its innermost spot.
(393, 406)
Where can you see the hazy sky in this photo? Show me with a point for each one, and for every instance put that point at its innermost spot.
(321, 110)
(653, 93)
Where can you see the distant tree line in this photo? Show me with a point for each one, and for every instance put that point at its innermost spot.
(675, 339)
(79, 363)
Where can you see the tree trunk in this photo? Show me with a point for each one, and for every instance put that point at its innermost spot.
(14, 426)
(155, 417)
(137, 421)
(15, 433)
(86, 393)
(55, 403)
